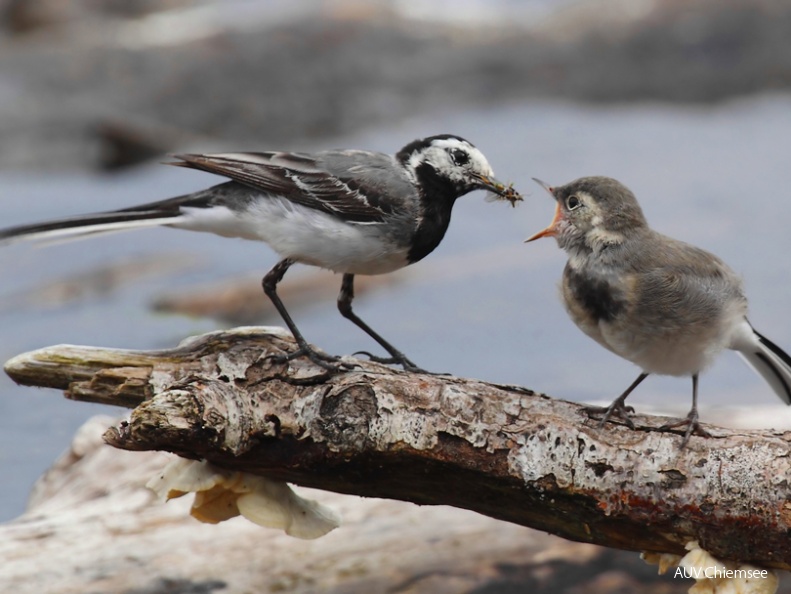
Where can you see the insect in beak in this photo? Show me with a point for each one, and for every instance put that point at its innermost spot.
(499, 191)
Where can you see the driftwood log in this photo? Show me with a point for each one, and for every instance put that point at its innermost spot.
(93, 527)
(503, 451)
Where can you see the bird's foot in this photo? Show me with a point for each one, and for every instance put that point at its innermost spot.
(692, 425)
(329, 363)
(617, 409)
(399, 359)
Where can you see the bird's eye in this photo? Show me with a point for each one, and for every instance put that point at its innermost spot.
(459, 157)
(573, 202)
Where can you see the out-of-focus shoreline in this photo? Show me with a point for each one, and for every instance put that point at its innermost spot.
(93, 89)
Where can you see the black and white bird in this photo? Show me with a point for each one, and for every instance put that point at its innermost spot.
(350, 211)
(666, 306)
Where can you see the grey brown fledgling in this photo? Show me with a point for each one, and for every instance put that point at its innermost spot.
(350, 211)
(667, 306)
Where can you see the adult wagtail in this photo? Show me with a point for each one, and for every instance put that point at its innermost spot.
(350, 211)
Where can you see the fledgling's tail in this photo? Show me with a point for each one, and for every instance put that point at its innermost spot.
(770, 361)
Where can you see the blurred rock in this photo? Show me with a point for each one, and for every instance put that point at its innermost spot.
(96, 282)
(240, 75)
(26, 16)
(242, 301)
(123, 144)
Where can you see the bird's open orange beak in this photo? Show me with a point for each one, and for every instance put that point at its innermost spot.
(550, 231)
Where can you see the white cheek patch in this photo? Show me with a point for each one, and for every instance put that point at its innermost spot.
(437, 155)
(598, 236)
(438, 158)
(479, 164)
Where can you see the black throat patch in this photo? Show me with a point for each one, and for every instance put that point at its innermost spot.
(437, 196)
(595, 294)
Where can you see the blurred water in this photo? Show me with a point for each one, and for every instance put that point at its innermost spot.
(483, 305)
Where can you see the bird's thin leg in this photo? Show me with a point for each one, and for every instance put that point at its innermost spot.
(345, 298)
(269, 282)
(691, 421)
(617, 407)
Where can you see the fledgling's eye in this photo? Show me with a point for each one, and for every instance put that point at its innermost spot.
(459, 157)
(573, 202)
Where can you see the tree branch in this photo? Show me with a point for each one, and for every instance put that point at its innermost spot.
(502, 451)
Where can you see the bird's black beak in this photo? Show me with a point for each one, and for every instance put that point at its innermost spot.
(499, 191)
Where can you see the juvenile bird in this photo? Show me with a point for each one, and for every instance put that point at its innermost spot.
(667, 306)
(350, 211)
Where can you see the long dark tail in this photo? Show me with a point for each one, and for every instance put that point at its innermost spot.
(153, 214)
(75, 227)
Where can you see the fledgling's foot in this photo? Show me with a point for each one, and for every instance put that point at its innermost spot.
(617, 409)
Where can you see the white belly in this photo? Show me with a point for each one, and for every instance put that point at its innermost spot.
(680, 352)
(304, 235)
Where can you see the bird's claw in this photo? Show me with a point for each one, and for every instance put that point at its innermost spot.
(386, 360)
(692, 424)
(402, 360)
(329, 363)
(617, 409)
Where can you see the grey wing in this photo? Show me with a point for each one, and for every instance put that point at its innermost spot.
(381, 182)
(690, 287)
(339, 183)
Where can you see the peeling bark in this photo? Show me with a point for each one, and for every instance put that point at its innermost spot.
(502, 451)
(78, 536)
